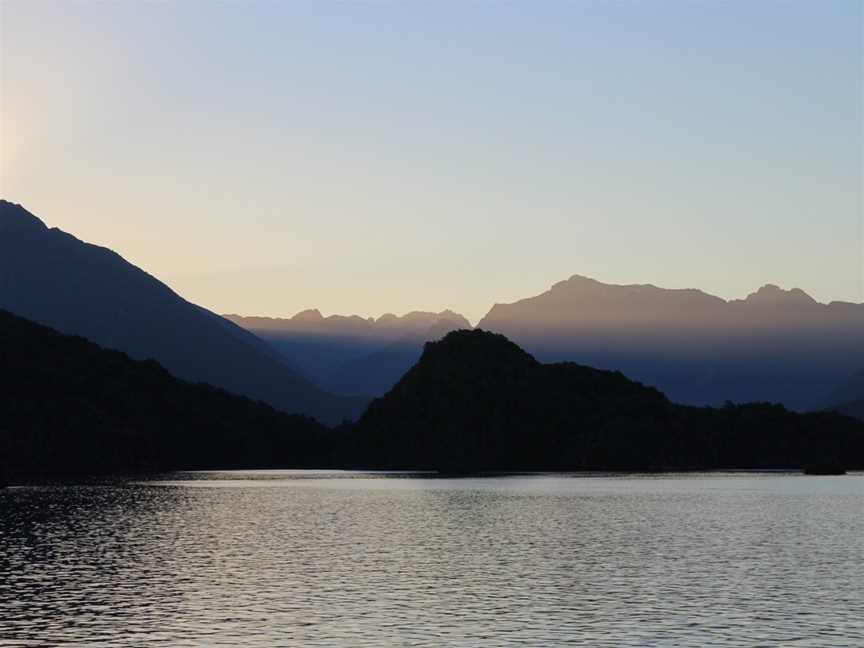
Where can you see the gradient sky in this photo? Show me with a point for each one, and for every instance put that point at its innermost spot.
(364, 157)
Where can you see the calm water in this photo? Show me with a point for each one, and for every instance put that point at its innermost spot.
(302, 559)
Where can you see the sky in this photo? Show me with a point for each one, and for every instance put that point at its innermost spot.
(369, 157)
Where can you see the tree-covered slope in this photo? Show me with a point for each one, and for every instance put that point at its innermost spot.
(477, 401)
(69, 406)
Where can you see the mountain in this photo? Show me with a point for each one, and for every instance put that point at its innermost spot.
(776, 345)
(476, 401)
(67, 406)
(51, 277)
(351, 354)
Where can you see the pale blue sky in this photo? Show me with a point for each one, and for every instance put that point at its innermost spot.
(264, 157)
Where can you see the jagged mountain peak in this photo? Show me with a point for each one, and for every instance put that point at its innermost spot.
(577, 282)
(773, 294)
(308, 315)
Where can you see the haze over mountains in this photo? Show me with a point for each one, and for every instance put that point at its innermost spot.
(52, 278)
(773, 346)
(352, 354)
(776, 345)
(470, 400)
(474, 401)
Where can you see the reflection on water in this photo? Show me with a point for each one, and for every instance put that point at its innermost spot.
(311, 559)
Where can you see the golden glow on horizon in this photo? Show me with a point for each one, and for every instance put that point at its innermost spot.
(346, 161)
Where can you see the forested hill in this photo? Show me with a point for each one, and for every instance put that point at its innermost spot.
(476, 401)
(68, 406)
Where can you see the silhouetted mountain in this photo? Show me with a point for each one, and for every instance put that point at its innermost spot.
(53, 278)
(477, 401)
(473, 401)
(350, 354)
(68, 406)
(775, 345)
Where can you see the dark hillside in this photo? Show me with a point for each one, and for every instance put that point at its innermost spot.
(68, 406)
(477, 401)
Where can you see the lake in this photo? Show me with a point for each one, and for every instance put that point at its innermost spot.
(298, 558)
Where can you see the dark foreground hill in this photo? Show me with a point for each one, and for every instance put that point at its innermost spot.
(476, 401)
(52, 278)
(68, 406)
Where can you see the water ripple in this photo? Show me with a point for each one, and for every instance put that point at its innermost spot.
(258, 559)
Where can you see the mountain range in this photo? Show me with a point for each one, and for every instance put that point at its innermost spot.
(774, 346)
(107, 387)
(474, 401)
(52, 278)
(352, 354)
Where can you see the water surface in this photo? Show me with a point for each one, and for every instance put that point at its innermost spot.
(296, 558)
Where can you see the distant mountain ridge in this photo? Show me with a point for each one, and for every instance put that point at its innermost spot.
(352, 354)
(775, 345)
(52, 278)
(384, 327)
